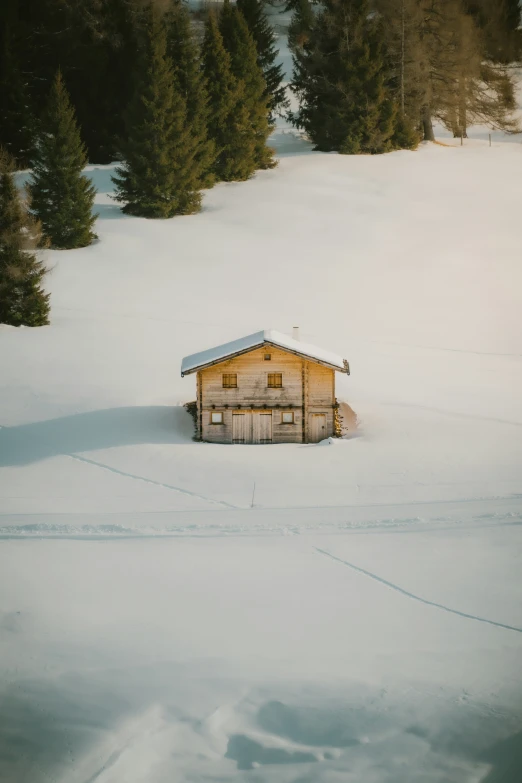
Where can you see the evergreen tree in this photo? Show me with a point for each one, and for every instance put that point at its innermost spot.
(18, 125)
(100, 71)
(184, 53)
(500, 23)
(160, 176)
(61, 196)
(35, 32)
(22, 300)
(511, 29)
(264, 37)
(340, 78)
(240, 46)
(93, 43)
(303, 18)
(229, 121)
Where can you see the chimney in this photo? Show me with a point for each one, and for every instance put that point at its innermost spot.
(296, 333)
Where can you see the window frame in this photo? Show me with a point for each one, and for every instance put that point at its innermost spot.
(216, 413)
(267, 357)
(274, 385)
(287, 413)
(229, 375)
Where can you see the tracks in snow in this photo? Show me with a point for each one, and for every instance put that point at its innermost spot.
(221, 503)
(220, 519)
(414, 597)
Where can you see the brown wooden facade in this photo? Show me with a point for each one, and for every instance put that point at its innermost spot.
(265, 395)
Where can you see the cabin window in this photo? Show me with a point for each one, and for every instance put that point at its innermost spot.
(230, 380)
(268, 356)
(216, 417)
(287, 417)
(275, 380)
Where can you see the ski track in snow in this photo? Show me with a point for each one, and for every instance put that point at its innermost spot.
(151, 481)
(241, 521)
(414, 597)
(115, 531)
(113, 758)
(117, 744)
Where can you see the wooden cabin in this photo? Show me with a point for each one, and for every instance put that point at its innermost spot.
(265, 388)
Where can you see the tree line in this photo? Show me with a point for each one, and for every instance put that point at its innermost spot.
(198, 113)
(130, 80)
(95, 44)
(374, 75)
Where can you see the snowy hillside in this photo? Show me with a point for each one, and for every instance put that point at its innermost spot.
(408, 264)
(347, 611)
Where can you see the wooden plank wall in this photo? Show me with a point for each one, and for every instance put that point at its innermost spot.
(199, 428)
(252, 392)
(321, 393)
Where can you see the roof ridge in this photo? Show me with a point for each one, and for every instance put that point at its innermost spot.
(250, 342)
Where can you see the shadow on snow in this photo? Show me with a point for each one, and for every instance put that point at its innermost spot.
(94, 431)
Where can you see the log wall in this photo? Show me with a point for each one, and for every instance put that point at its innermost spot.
(306, 388)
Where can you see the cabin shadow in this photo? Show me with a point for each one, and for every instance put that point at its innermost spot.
(94, 431)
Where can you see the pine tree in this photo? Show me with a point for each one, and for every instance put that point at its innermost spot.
(93, 43)
(340, 78)
(229, 121)
(303, 18)
(100, 72)
(61, 196)
(40, 37)
(160, 176)
(185, 56)
(22, 300)
(511, 31)
(240, 46)
(500, 23)
(264, 37)
(18, 125)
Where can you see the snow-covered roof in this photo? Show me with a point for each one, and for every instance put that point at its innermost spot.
(220, 353)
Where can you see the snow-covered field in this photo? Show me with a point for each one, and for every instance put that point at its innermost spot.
(348, 611)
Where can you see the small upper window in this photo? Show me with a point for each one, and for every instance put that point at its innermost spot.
(268, 356)
(287, 417)
(216, 417)
(230, 380)
(275, 380)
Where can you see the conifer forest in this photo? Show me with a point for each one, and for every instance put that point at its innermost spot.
(398, 66)
(183, 97)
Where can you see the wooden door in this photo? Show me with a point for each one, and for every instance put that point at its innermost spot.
(262, 427)
(242, 427)
(316, 427)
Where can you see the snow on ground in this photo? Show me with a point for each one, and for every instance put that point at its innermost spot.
(347, 611)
